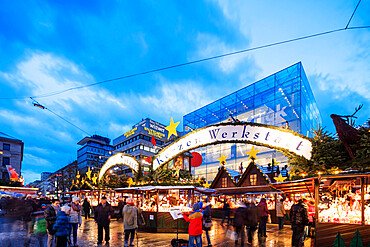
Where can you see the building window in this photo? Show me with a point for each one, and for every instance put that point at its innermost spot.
(6, 146)
(6, 161)
(224, 182)
(253, 179)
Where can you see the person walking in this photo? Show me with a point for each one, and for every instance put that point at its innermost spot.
(239, 222)
(226, 212)
(207, 221)
(86, 207)
(263, 213)
(50, 215)
(75, 219)
(251, 220)
(62, 227)
(195, 226)
(299, 219)
(280, 213)
(103, 213)
(129, 214)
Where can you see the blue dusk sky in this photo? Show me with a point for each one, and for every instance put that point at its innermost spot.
(48, 46)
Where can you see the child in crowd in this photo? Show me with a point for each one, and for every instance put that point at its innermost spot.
(62, 227)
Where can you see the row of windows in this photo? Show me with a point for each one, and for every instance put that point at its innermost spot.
(135, 138)
(140, 147)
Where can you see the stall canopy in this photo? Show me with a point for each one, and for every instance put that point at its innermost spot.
(258, 189)
(164, 188)
(297, 186)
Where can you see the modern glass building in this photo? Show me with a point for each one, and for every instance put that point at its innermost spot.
(279, 99)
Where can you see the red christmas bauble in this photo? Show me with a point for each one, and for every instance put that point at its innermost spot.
(196, 160)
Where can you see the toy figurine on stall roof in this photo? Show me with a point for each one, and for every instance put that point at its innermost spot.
(346, 133)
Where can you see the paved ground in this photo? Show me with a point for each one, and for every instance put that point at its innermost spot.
(13, 234)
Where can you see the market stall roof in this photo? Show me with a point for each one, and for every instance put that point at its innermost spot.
(79, 191)
(297, 186)
(164, 188)
(259, 189)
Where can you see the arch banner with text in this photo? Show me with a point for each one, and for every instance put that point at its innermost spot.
(253, 133)
(119, 159)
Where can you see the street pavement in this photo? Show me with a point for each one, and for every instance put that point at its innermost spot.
(13, 234)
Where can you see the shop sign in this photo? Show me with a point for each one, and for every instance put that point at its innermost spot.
(130, 133)
(154, 133)
(253, 133)
(119, 159)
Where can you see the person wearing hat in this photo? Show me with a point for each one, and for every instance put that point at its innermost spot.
(299, 220)
(75, 218)
(103, 213)
(195, 226)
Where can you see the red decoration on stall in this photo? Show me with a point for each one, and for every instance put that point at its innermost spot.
(196, 160)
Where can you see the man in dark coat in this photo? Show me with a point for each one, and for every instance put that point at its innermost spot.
(299, 219)
(251, 220)
(239, 222)
(50, 215)
(86, 206)
(103, 213)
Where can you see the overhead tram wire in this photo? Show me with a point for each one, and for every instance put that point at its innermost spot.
(350, 19)
(187, 63)
(37, 104)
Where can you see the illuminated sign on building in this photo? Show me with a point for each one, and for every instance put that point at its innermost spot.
(130, 133)
(257, 134)
(154, 133)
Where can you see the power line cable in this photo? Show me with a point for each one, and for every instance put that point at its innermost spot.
(37, 104)
(350, 19)
(188, 63)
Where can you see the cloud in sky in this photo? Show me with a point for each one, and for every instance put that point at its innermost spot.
(53, 46)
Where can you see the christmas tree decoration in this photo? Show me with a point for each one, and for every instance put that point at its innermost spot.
(280, 178)
(356, 240)
(222, 159)
(339, 242)
(172, 129)
(252, 154)
(88, 173)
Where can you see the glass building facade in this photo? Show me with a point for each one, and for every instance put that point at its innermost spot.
(279, 99)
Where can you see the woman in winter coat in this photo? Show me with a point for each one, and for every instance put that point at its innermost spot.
(263, 214)
(62, 227)
(195, 226)
(75, 218)
(207, 217)
(280, 213)
(129, 213)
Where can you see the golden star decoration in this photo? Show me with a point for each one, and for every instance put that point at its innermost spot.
(207, 184)
(280, 178)
(252, 153)
(172, 128)
(130, 182)
(222, 159)
(78, 175)
(94, 178)
(88, 173)
(177, 173)
(82, 180)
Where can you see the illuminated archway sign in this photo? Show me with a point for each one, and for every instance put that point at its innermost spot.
(253, 133)
(119, 159)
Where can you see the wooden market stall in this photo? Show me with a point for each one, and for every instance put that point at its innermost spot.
(92, 195)
(156, 203)
(342, 204)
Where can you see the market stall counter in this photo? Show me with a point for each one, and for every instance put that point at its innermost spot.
(157, 202)
(342, 205)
